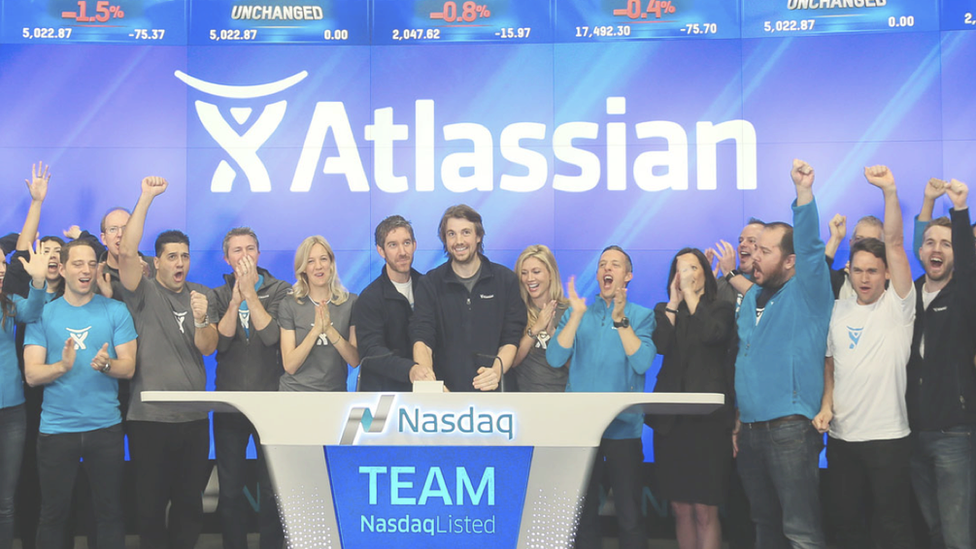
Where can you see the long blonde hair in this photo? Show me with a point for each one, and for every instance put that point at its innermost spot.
(544, 255)
(338, 292)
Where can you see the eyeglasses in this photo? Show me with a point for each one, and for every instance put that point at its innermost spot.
(115, 229)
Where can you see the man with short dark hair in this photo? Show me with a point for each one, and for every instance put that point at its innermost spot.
(863, 406)
(83, 343)
(782, 326)
(468, 316)
(169, 445)
(247, 360)
(609, 348)
(941, 377)
(383, 311)
(868, 226)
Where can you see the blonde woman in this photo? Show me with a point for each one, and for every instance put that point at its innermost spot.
(542, 292)
(317, 338)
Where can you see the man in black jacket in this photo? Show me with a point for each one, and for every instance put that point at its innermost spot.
(247, 360)
(469, 315)
(941, 393)
(382, 313)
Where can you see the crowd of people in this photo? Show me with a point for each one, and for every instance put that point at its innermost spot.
(882, 364)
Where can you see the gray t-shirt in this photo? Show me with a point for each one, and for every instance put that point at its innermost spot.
(167, 359)
(324, 369)
(470, 281)
(534, 374)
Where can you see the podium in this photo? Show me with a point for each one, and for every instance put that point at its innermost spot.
(499, 470)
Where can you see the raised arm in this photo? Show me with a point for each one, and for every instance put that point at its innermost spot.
(802, 175)
(898, 266)
(37, 186)
(934, 189)
(130, 265)
(838, 230)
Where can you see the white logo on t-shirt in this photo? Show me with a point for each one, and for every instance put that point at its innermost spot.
(180, 317)
(79, 337)
(323, 339)
(855, 335)
(245, 316)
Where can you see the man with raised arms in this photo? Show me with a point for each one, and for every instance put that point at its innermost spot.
(782, 325)
(382, 313)
(169, 446)
(468, 316)
(609, 347)
(941, 379)
(247, 360)
(863, 406)
(78, 350)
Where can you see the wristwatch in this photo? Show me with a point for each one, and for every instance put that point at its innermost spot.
(732, 274)
(106, 368)
(624, 323)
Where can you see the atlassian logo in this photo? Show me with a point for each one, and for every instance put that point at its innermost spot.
(855, 335)
(79, 337)
(656, 169)
(361, 415)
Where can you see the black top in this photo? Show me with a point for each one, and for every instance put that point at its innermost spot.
(942, 386)
(465, 329)
(696, 355)
(381, 316)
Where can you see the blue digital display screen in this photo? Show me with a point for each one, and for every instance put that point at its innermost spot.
(436, 497)
(654, 141)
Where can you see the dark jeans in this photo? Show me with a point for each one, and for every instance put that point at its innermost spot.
(231, 434)
(875, 471)
(944, 477)
(621, 460)
(58, 457)
(13, 430)
(780, 470)
(171, 468)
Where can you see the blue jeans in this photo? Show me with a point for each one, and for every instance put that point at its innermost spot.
(945, 485)
(13, 430)
(59, 456)
(780, 470)
(620, 460)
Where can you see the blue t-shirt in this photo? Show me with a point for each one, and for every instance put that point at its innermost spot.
(82, 399)
(26, 310)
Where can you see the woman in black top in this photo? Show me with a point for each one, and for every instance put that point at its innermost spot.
(693, 454)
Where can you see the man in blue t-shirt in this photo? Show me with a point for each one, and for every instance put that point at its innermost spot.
(608, 344)
(78, 350)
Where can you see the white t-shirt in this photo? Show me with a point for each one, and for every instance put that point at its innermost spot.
(871, 345)
(405, 289)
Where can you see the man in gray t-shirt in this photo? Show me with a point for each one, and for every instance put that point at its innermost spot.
(169, 447)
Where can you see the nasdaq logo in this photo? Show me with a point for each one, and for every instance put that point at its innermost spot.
(371, 423)
(665, 165)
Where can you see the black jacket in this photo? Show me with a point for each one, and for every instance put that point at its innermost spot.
(942, 386)
(250, 363)
(465, 329)
(695, 351)
(381, 316)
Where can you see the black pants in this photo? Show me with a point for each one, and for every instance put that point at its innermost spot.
(878, 472)
(621, 461)
(58, 458)
(231, 434)
(171, 467)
